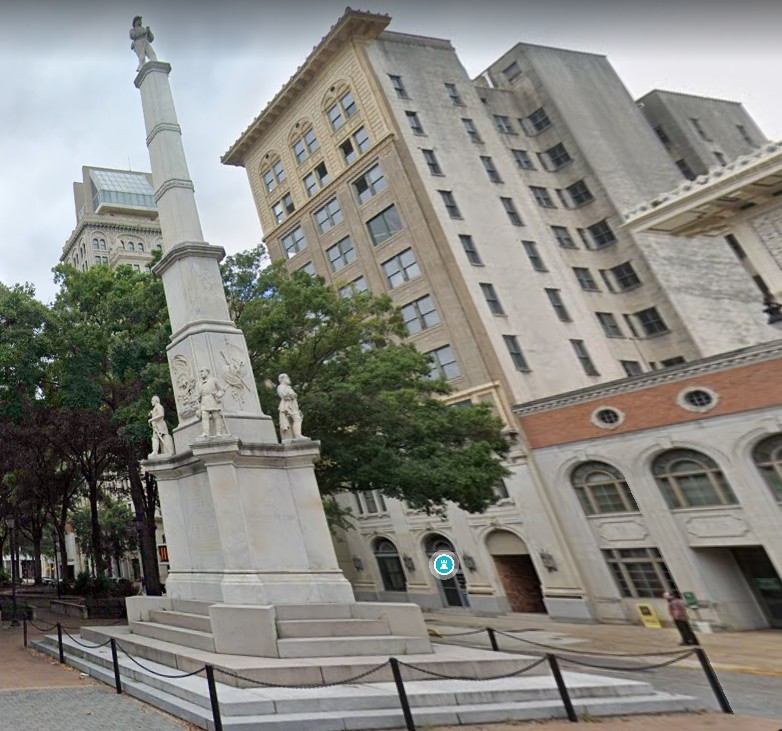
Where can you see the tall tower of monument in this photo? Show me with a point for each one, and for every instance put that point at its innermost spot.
(244, 521)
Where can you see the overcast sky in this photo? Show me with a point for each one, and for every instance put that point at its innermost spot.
(68, 97)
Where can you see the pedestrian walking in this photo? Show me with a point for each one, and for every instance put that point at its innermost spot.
(678, 612)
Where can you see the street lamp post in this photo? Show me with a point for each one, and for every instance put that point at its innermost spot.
(10, 522)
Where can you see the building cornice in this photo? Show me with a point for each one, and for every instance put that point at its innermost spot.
(713, 189)
(353, 24)
(714, 364)
(112, 224)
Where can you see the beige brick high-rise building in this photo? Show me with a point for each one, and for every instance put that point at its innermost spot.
(489, 209)
(116, 220)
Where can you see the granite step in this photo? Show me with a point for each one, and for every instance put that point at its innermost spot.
(313, 611)
(184, 620)
(293, 628)
(383, 645)
(191, 606)
(176, 635)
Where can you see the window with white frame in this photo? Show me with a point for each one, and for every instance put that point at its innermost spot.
(639, 573)
(341, 254)
(283, 208)
(420, 314)
(384, 225)
(305, 146)
(444, 363)
(293, 242)
(401, 268)
(601, 488)
(342, 110)
(369, 184)
(328, 216)
(273, 176)
(316, 179)
(688, 479)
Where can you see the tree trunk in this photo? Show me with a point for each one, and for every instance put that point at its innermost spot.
(98, 559)
(144, 503)
(37, 572)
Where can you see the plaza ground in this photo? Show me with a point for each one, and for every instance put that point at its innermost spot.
(39, 694)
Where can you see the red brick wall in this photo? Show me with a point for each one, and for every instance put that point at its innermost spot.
(521, 583)
(739, 389)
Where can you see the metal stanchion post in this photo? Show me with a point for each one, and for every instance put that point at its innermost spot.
(115, 662)
(714, 682)
(210, 681)
(59, 643)
(493, 639)
(24, 629)
(563, 691)
(400, 689)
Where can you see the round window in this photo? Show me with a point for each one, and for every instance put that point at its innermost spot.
(609, 417)
(698, 397)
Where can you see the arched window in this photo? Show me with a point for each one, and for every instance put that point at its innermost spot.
(140, 246)
(602, 488)
(131, 246)
(273, 173)
(767, 456)
(690, 479)
(390, 566)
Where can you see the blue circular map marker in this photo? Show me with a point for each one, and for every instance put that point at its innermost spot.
(443, 564)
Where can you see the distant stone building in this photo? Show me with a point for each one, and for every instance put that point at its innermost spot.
(489, 209)
(116, 220)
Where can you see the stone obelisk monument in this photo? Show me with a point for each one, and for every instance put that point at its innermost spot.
(242, 513)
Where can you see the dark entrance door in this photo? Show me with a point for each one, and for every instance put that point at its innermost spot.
(452, 593)
(521, 583)
(764, 580)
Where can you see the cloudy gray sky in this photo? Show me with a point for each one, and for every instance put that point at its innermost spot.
(68, 97)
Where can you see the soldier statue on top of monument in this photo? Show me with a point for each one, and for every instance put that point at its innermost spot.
(142, 42)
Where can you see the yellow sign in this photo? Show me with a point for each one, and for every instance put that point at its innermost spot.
(648, 616)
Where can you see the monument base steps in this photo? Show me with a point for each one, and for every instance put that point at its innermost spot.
(366, 705)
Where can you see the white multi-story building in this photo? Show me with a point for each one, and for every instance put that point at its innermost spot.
(489, 209)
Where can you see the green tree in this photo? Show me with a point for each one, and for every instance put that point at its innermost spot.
(365, 395)
(118, 533)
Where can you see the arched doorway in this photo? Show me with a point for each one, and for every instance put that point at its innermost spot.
(453, 591)
(391, 572)
(516, 571)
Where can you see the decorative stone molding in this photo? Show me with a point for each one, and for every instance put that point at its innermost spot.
(698, 399)
(622, 530)
(722, 526)
(163, 127)
(173, 183)
(607, 417)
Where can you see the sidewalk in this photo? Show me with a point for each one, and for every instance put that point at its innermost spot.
(757, 652)
(690, 722)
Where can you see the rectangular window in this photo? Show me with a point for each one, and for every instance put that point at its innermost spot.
(294, 242)
(308, 268)
(399, 86)
(582, 354)
(685, 169)
(316, 179)
(696, 123)
(359, 143)
(563, 237)
(328, 216)
(669, 362)
(369, 184)
(557, 157)
(538, 120)
(432, 163)
(516, 353)
(585, 279)
(453, 95)
(348, 104)
(512, 71)
(503, 124)
(531, 250)
(523, 159)
(355, 287)
(631, 367)
(420, 315)
(744, 134)
(510, 209)
(472, 131)
(341, 254)
(651, 322)
(639, 573)
(469, 248)
(661, 135)
(348, 152)
(602, 234)
(361, 138)
(444, 363)
(720, 158)
(401, 268)
(609, 324)
(415, 123)
(305, 146)
(283, 208)
(542, 197)
(490, 294)
(579, 194)
(630, 326)
(384, 225)
(273, 176)
(555, 298)
(625, 276)
(501, 490)
(450, 203)
(334, 114)
(491, 170)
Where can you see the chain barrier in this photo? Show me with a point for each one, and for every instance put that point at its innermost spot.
(155, 672)
(263, 684)
(68, 626)
(443, 676)
(628, 668)
(461, 634)
(82, 644)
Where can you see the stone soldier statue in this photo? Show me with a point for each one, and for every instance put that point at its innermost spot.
(161, 439)
(210, 408)
(290, 416)
(142, 42)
